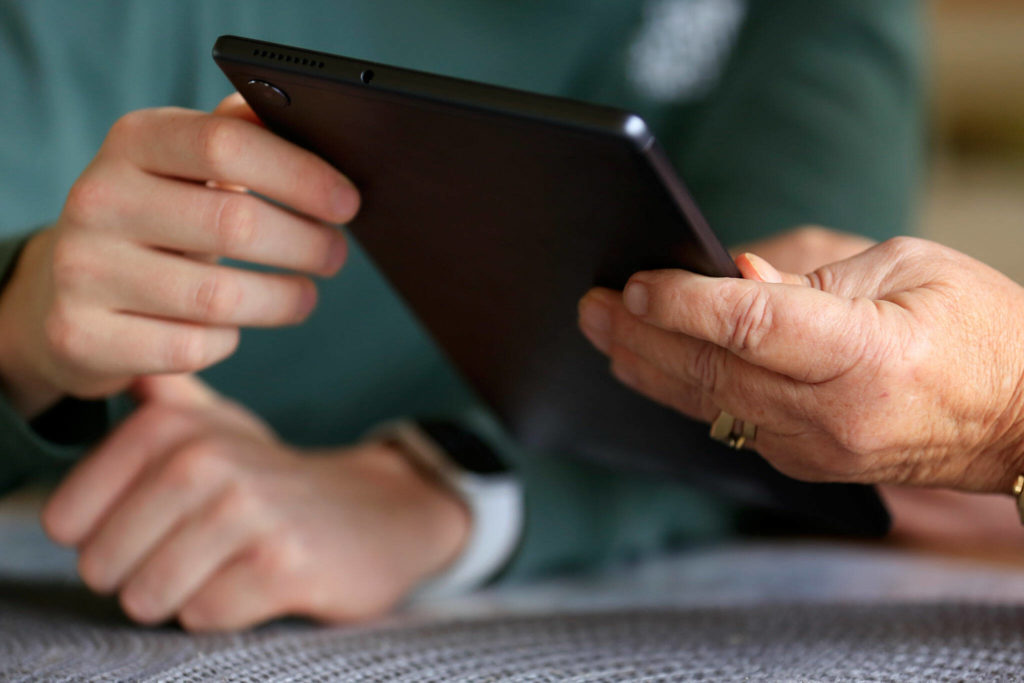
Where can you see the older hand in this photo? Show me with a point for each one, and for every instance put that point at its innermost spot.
(900, 365)
(192, 508)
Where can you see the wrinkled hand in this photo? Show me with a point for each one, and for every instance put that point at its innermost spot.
(192, 508)
(126, 282)
(900, 365)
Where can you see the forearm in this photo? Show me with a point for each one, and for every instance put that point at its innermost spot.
(23, 383)
(39, 434)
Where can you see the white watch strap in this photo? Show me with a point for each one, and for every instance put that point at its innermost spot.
(494, 501)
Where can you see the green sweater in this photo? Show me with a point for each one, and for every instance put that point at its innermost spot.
(776, 112)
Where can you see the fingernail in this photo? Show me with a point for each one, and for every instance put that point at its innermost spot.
(308, 301)
(596, 322)
(765, 271)
(635, 298)
(344, 202)
(336, 255)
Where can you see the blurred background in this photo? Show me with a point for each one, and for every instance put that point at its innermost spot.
(974, 198)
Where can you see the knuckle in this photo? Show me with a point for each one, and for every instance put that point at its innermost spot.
(218, 142)
(185, 351)
(235, 224)
(199, 463)
(64, 336)
(861, 439)
(706, 368)
(280, 557)
(216, 297)
(823, 279)
(88, 199)
(904, 247)
(239, 503)
(127, 126)
(751, 319)
(70, 264)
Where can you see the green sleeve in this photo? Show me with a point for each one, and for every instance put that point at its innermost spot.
(817, 120)
(49, 443)
(584, 516)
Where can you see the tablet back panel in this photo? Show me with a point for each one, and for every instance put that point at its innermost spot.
(492, 212)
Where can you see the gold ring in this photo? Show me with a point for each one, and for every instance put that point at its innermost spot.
(732, 432)
(1018, 492)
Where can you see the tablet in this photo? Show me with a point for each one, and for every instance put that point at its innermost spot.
(491, 212)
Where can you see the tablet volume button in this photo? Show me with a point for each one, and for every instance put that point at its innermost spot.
(267, 93)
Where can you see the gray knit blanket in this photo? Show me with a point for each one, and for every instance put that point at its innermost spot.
(753, 612)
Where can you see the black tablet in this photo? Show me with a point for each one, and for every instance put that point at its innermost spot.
(492, 211)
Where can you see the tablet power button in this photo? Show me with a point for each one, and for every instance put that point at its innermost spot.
(267, 93)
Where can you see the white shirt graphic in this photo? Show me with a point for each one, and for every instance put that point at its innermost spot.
(682, 46)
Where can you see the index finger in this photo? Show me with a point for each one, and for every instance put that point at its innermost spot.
(202, 147)
(798, 331)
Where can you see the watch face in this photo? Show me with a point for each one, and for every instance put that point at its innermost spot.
(464, 448)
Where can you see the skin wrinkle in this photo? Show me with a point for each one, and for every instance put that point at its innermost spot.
(917, 381)
(1010, 417)
(857, 359)
(927, 461)
(970, 424)
(754, 320)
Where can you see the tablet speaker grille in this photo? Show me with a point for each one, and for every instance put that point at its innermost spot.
(287, 58)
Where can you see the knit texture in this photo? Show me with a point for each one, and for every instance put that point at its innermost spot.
(761, 612)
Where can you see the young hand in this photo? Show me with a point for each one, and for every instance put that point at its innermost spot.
(193, 509)
(126, 282)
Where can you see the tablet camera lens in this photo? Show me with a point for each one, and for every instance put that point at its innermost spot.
(366, 76)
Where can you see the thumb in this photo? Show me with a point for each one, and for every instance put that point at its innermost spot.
(181, 390)
(795, 330)
(236, 106)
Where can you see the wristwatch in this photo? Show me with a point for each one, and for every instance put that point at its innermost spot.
(467, 467)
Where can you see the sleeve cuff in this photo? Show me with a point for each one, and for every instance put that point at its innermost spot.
(57, 438)
(494, 501)
(496, 525)
(30, 449)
